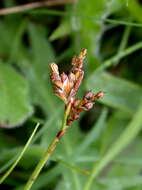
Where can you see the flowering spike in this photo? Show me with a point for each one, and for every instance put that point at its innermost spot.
(66, 87)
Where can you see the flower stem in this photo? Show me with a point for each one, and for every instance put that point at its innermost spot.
(49, 150)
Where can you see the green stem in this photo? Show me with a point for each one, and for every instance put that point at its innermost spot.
(19, 157)
(49, 150)
(124, 39)
(120, 55)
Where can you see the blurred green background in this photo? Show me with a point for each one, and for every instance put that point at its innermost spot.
(106, 141)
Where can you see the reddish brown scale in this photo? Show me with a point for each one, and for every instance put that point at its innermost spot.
(69, 122)
(71, 77)
(33, 179)
(88, 106)
(88, 95)
(83, 52)
(80, 109)
(60, 134)
(54, 68)
(74, 61)
(72, 95)
(99, 95)
(58, 83)
(76, 116)
(76, 103)
(83, 102)
(63, 77)
(59, 92)
(54, 77)
(80, 63)
(79, 80)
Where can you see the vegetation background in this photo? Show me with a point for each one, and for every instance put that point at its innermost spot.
(106, 141)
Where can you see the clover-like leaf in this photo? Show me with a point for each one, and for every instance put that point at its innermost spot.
(14, 103)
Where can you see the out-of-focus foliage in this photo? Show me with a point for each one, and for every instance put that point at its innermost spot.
(107, 140)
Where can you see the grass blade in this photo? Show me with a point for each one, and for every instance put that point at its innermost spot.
(127, 136)
(123, 182)
(8, 164)
(121, 54)
(20, 156)
(93, 134)
(120, 93)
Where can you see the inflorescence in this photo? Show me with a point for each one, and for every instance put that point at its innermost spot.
(66, 87)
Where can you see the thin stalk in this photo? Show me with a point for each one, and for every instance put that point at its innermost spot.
(123, 42)
(33, 5)
(120, 55)
(50, 149)
(19, 157)
(125, 38)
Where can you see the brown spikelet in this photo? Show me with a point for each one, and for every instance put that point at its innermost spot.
(88, 95)
(88, 106)
(85, 104)
(66, 87)
(99, 95)
(60, 93)
(78, 81)
(54, 68)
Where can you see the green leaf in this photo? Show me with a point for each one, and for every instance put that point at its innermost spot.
(134, 7)
(7, 34)
(120, 93)
(119, 119)
(72, 180)
(62, 30)
(131, 159)
(14, 103)
(122, 182)
(88, 30)
(38, 73)
(92, 136)
(125, 138)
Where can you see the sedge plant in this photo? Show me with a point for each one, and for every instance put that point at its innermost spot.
(66, 87)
